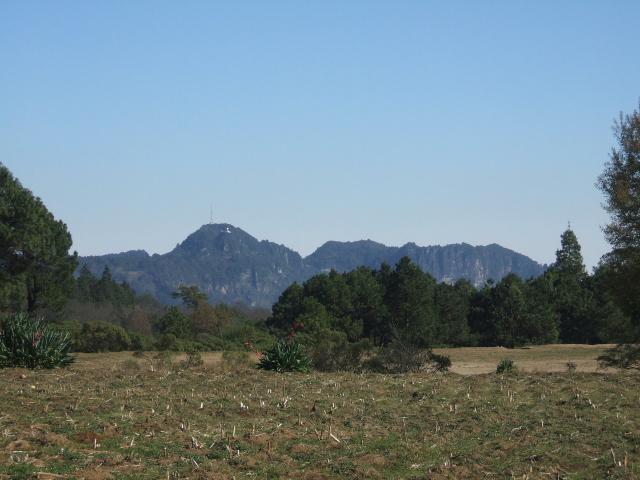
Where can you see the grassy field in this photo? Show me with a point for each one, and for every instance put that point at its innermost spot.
(116, 416)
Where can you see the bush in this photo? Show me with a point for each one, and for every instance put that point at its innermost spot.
(506, 366)
(624, 356)
(334, 353)
(167, 342)
(140, 342)
(31, 343)
(103, 337)
(194, 359)
(402, 356)
(440, 363)
(285, 356)
(571, 367)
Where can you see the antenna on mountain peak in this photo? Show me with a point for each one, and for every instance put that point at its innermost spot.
(211, 214)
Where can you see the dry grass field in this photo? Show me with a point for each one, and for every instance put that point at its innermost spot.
(536, 359)
(114, 416)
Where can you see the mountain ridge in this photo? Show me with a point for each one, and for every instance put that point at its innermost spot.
(230, 265)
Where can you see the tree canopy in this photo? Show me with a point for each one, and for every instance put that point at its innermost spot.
(36, 268)
(620, 183)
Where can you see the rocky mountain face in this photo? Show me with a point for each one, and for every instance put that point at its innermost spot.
(231, 266)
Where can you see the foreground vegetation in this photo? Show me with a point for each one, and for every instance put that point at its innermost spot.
(124, 417)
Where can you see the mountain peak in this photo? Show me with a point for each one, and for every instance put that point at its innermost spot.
(230, 265)
(218, 228)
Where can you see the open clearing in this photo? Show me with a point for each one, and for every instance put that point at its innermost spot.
(111, 416)
(535, 359)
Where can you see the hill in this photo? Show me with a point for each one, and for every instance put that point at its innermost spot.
(232, 266)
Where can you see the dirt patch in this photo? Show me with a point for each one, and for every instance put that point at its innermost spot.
(87, 437)
(372, 459)
(43, 436)
(96, 474)
(18, 446)
(301, 448)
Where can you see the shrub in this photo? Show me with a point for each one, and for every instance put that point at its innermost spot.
(624, 356)
(194, 359)
(402, 357)
(506, 366)
(333, 353)
(167, 341)
(140, 342)
(103, 337)
(440, 363)
(571, 367)
(31, 343)
(285, 356)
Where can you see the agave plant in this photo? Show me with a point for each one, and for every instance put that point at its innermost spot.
(285, 356)
(30, 343)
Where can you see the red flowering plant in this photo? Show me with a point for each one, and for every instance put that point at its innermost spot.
(251, 347)
(37, 336)
(295, 328)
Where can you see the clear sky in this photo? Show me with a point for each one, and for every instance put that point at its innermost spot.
(433, 122)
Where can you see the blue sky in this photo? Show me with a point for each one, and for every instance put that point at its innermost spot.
(432, 122)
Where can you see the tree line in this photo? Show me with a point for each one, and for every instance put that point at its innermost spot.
(380, 307)
(565, 304)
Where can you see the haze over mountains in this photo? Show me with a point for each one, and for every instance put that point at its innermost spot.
(231, 266)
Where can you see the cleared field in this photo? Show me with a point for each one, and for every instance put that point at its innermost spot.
(539, 358)
(111, 416)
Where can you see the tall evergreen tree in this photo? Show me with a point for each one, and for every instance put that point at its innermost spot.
(410, 299)
(620, 183)
(190, 295)
(569, 258)
(36, 269)
(572, 300)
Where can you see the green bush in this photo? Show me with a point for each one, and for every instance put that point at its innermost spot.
(31, 343)
(440, 363)
(103, 337)
(506, 365)
(400, 356)
(140, 342)
(285, 356)
(624, 356)
(332, 352)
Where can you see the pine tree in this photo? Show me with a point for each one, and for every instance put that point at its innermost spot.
(410, 300)
(620, 183)
(569, 257)
(36, 269)
(572, 299)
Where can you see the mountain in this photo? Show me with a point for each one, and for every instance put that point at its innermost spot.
(446, 263)
(231, 266)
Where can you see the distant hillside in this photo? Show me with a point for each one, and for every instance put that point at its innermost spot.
(446, 263)
(232, 266)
